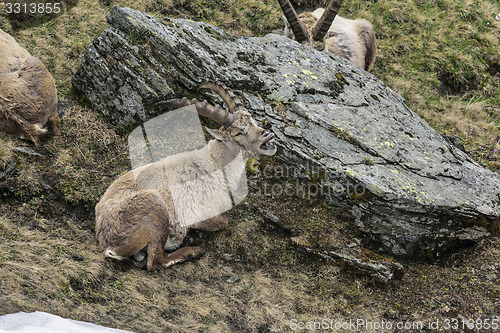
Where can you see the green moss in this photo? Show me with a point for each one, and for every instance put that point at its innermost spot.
(336, 87)
(341, 79)
(214, 33)
(252, 166)
(368, 161)
(137, 38)
(363, 196)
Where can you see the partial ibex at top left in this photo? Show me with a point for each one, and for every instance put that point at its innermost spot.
(153, 206)
(28, 97)
(350, 39)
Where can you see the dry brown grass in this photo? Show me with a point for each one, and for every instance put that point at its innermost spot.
(44, 269)
(6, 149)
(86, 154)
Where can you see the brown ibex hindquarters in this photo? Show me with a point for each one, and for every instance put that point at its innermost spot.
(139, 221)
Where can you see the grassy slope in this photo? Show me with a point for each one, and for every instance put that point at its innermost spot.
(442, 56)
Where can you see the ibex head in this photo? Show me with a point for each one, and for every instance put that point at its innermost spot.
(238, 126)
(324, 30)
(307, 31)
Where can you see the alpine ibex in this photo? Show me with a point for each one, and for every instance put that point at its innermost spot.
(350, 39)
(154, 205)
(28, 96)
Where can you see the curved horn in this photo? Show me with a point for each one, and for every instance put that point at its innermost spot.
(227, 95)
(215, 113)
(325, 21)
(296, 25)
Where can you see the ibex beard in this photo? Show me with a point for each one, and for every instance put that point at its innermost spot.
(153, 206)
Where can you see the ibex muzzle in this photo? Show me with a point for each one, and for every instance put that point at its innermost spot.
(350, 39)
(154, 205)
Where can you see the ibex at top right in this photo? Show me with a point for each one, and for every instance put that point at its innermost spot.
(350, 39)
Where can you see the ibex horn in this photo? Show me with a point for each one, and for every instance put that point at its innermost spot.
(300, 32)
(325, 21)
(219, 115)
(227, 95)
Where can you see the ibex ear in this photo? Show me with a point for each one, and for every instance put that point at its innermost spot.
(217, 134)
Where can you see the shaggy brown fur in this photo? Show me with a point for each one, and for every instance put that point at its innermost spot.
(28, 97)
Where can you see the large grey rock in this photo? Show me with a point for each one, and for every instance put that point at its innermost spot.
(412, 192)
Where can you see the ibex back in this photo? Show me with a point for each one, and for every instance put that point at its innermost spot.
(141, 209)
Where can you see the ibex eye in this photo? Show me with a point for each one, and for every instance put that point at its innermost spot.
(237, 134)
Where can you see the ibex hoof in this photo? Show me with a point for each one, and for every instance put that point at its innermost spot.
(183, 254)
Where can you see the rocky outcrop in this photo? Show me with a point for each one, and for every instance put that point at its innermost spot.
(341, 130)
(28, 96)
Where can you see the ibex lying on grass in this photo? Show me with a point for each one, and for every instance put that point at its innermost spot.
(350, 39)
(140, 209)
(28, 98)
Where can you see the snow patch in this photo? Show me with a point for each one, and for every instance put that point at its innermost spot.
(41, 322)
